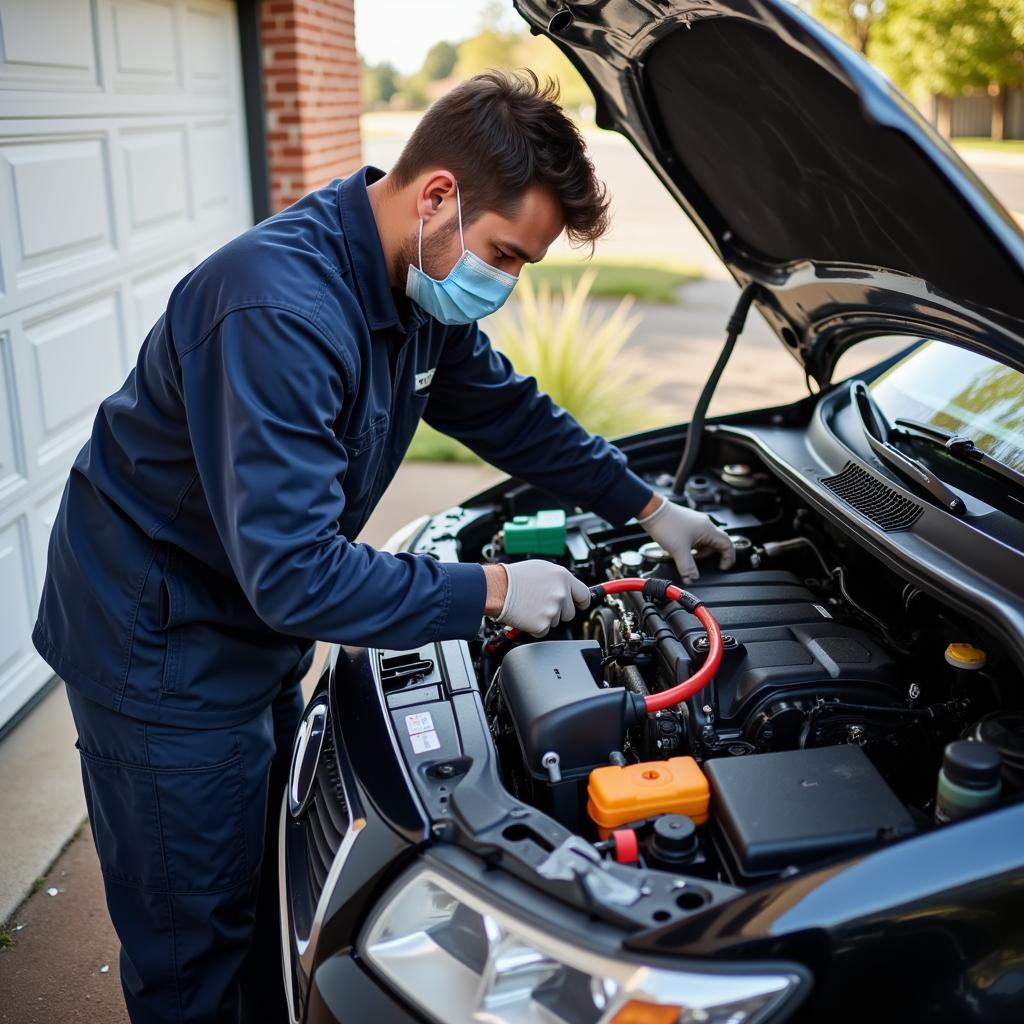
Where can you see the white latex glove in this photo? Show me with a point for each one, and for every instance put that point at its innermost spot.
(678, 530)
(540, 595)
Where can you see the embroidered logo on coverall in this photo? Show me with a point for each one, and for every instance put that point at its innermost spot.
(423, 379)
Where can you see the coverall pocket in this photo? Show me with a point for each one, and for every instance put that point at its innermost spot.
(358, 443)
(168, 615)
(178, 830)
(364, 456)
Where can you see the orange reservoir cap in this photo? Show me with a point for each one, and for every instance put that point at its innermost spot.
(619, 795)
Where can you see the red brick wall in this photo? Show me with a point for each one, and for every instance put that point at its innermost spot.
(311, 93)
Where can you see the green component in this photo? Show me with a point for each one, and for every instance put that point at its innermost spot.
(540, 534)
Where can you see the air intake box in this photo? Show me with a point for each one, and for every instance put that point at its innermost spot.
(553, 692)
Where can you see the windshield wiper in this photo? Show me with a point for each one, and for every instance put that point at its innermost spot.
(877, 430)
(959, 447)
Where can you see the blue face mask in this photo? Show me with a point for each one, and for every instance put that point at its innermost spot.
(472, 289)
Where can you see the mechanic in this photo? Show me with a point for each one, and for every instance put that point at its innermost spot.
(206, 536)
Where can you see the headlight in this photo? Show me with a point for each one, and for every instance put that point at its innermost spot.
(459, 959)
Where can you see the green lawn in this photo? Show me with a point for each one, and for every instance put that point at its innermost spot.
(1006, 146)
(646, 282)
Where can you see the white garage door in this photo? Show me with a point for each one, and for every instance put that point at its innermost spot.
(122, 164)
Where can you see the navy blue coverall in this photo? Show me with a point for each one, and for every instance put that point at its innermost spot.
(206, 538)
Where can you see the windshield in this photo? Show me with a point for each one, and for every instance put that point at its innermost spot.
(961, 392)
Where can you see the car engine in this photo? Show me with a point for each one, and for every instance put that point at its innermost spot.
(821, 732)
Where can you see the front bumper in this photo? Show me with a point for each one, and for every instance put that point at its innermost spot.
(343, 992)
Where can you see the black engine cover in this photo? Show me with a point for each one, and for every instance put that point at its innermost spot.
(784, 645)
(553, 692)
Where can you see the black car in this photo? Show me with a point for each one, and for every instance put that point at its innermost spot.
(796, 792)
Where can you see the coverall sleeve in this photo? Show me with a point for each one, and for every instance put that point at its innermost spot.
(478, 398)
(262, 393)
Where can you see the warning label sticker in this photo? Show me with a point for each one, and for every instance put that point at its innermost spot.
(424, 741)
(420, 722)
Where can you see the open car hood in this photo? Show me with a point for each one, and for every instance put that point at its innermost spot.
(805, 169)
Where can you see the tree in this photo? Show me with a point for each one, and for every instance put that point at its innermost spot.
(945, 47)
(413, 92)
(541, 55)
(852, 22)
(487, 49)
(440, 61)
(380, 83)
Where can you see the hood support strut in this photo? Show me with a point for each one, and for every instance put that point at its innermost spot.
(691, 449)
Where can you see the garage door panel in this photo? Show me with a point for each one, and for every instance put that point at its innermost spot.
(16, 596)
(51, 47)
(19, 600)
(41, 517)
(76, 361)
(156, 172)
(146, 46)
(60, 203)
(208, 36)
(12, 455)
(214, 168)
(122, 164)
(150, 293)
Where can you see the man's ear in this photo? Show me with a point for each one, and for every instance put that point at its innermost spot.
(435, 188)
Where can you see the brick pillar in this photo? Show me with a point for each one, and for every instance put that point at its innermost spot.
(311, 93)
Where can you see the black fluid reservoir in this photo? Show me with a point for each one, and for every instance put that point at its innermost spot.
(968, 780)
(673, 841)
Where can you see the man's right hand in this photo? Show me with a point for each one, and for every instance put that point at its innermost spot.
(536, 595)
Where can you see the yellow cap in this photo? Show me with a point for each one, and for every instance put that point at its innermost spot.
(965, 656)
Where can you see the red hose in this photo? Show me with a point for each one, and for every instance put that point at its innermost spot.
(688, 687)
(700, 678)
(703, 675)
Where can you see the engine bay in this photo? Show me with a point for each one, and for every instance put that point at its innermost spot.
(821, 734)
(848, 708)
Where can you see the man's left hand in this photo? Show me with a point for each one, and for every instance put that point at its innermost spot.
(680, 530)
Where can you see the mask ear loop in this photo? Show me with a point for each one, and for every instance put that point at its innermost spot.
(458, 200)
(421, 245)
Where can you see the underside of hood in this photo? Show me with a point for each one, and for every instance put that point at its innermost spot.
(805, 169)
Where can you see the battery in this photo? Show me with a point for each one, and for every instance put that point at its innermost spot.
(797, 807)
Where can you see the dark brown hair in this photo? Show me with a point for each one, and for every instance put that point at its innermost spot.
(500, 134)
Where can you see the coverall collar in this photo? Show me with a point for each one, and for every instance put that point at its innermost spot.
(369, 268)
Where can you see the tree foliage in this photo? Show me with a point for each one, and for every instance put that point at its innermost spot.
(379, 84)
(440, 61)
(947, 46)
(489, 49)
(852, 22)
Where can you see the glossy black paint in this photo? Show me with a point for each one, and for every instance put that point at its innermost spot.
(344, 992)
(364, 732)
(814, 178)
(927, 929)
